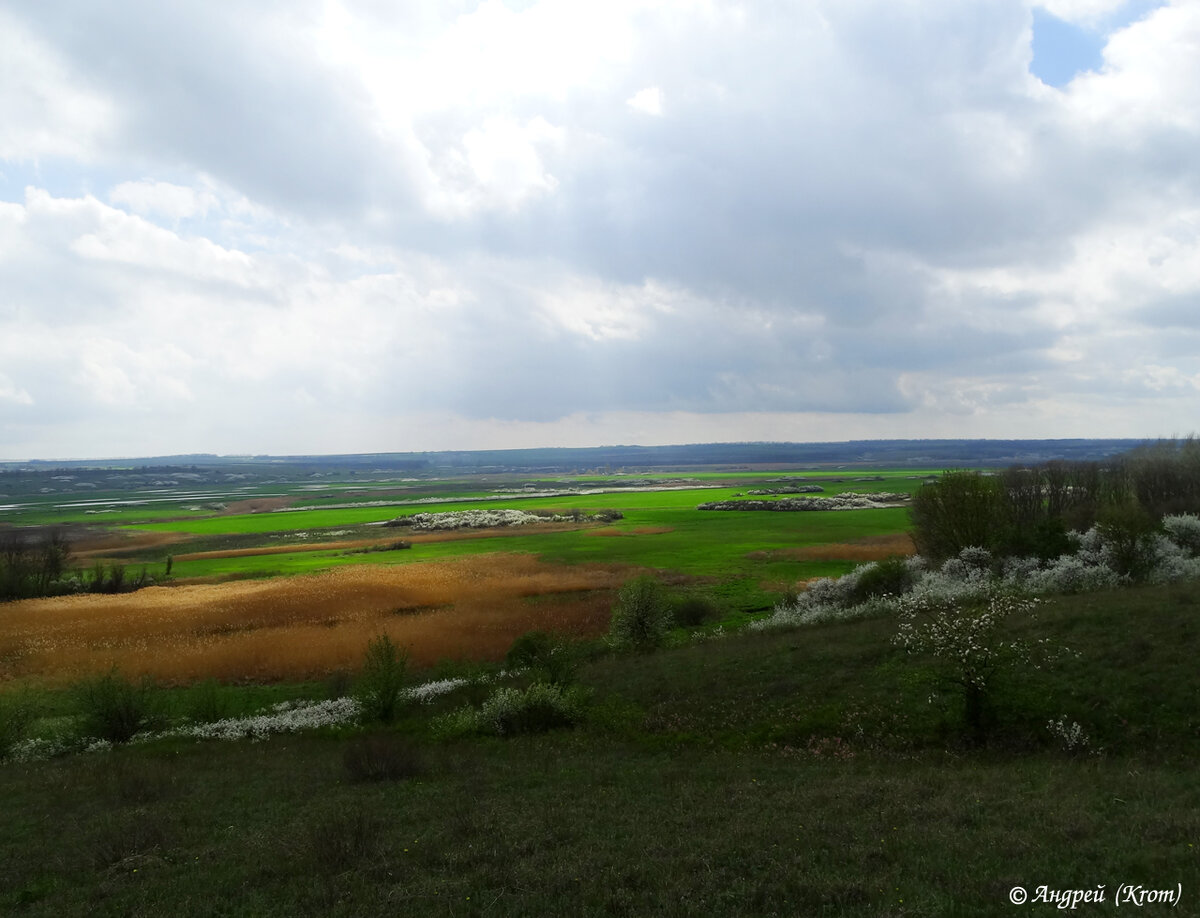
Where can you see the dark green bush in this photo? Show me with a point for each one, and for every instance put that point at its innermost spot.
(694, 609)
(1128, 532)
(115, 709)
(889, 577)
(381, 684)
(641, 616)
(545, 655)
(207, 703)
(528, 650)
(537, 709)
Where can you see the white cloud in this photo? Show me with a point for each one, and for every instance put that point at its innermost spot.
(1150, 80)
(1082, 12)
(9, 392)
(176, 202)
(649, 101)
(45, 109)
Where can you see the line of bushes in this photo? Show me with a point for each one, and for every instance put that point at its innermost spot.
(1028, 511)
(30, 568)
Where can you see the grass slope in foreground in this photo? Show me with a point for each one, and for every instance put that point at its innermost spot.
(801, 772)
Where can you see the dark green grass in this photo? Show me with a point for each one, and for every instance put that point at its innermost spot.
(788, 773)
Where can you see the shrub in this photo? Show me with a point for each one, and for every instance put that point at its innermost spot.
(1184, 531)
(1128, 533)
(380, 687)
(695, 609)
(965, 642)
(641, 616)
(208, 703)
(114, 709)
(890, 577)
(538, 708)
(1071, 574)
(382, 757)
(528, 650)
(545, 655)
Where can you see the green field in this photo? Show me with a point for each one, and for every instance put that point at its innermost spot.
(660, 530)
(813, 771)
(791, 773)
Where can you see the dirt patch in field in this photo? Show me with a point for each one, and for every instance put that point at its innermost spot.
(307, 626)
(110, 544)
(257, 505)
(349, 545)
(869, 548)
(640, 530)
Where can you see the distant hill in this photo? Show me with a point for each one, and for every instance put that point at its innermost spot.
(936, 454)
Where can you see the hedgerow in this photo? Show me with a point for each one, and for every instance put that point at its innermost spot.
(1099, 560)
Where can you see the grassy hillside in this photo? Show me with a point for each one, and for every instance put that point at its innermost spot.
(817, 771)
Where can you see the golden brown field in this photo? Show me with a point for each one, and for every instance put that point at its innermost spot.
(306, 626)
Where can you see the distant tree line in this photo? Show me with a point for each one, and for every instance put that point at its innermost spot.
(1029, 510)
(28, 568)
(33, 566)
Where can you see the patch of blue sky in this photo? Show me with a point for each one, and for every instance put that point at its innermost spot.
(1063, 50)
(60, 176)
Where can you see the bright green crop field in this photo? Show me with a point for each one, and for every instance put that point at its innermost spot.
(735, 551)
(745, 557)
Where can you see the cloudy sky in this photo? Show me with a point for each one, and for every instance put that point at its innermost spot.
(286, 226)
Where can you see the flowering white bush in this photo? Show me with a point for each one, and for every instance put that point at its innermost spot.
(972, 576)
(485, 519)
(426, 692)
(510, 711)
(1184, 531)
(469, 519)
(963, 637)
(1068, 574)
(284, 717)
(964, 640)
(848, 500)
(1070, 736)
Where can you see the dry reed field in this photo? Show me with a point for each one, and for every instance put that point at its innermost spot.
(306, 626)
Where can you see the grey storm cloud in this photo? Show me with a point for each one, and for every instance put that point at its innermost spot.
(524, 214)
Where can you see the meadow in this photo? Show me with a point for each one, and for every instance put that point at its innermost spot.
(812, 770)
(319, 591)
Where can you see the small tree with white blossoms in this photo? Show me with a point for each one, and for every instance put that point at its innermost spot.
(966, 643)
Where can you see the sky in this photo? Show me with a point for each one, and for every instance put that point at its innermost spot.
(334, 226)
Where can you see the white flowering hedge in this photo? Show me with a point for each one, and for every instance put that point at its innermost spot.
(284, 717)
(481, 519)
(974, 575)
(849, 500)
